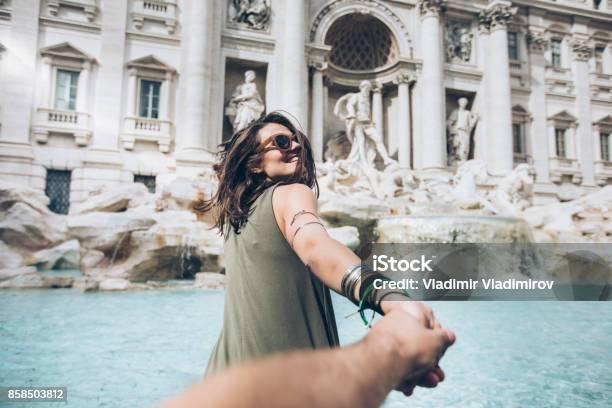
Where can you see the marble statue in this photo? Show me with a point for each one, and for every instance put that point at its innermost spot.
(246, 104)
(254, 14)
(514, 192)
(460, 124)
(465, 192)
(458, 42)
(355, 110)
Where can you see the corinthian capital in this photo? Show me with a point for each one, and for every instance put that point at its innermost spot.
(582, 49)
(538, 41)
(497, 15)
(431, 7)
(404, 77)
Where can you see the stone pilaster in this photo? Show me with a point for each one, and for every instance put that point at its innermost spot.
(538, 43)
(17, 92)
(433, 146)
(495, 19)
(582, 50)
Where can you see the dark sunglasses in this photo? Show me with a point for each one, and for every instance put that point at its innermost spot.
(280, 141)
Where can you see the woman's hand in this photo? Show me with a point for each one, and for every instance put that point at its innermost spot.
(418, 310)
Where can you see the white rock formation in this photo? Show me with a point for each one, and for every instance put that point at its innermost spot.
(586, 219)
(63, 256)
(115, 199)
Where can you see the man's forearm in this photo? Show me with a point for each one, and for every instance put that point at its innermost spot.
(357, 376)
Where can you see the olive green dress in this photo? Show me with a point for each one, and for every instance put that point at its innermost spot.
(272, 301)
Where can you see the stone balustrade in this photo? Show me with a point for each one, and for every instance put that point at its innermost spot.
(62, 121)
(145, 129)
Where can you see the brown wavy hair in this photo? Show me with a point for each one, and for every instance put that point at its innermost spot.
(240, 184)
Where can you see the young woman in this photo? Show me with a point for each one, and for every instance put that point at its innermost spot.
(279, 259)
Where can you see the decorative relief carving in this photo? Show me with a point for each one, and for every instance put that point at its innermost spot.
(458, 42)
(404, 77)
(254, 14)
(88, 7)
(367, 6)
(431, 7)
(582, 49)
(496, 16)
(537, 41)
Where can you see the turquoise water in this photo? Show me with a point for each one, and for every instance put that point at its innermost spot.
(134, 349)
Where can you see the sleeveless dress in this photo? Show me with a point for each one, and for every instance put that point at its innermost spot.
(273, 303)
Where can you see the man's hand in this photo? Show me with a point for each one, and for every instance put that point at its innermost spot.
(419, 347)
(425, 316)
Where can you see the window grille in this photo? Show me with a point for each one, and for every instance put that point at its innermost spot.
(58, 190)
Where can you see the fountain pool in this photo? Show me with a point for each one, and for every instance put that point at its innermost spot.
(133, 349)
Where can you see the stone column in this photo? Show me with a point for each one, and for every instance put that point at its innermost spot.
(500, 158)
(481, 101)
(403, 81)
(294, 77)
(197, 72)
(47, 81)
(109, 90)
(83, 89)
(583, 136)
(377, 108)
(434, 143)
(538, 43)
(317, 126)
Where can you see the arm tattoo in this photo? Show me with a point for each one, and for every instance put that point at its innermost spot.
(302, 212)
(303, 225)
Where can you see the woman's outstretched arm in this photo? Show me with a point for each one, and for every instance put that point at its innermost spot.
(295, 205)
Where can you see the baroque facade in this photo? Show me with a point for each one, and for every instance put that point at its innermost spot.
(113, 91)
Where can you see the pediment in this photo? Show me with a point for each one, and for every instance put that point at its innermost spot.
(150, 62)
(66, 50)
(563, 116)
(519, 109)
(605, 121)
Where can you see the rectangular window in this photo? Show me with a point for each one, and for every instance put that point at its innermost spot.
(148, 181)
(599, 53)
(560, 142)
(513, 51)
(555, 47)
(604, 139)
(66, 86)
(149, 99)
(518, 138)
(57, 188)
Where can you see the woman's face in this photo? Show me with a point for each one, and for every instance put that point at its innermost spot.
(275, 162)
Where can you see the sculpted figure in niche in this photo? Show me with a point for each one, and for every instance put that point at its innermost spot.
(246, 104)
(252, 13)
(460, 124)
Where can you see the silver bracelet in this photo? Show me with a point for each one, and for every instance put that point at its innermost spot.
(350, 279)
